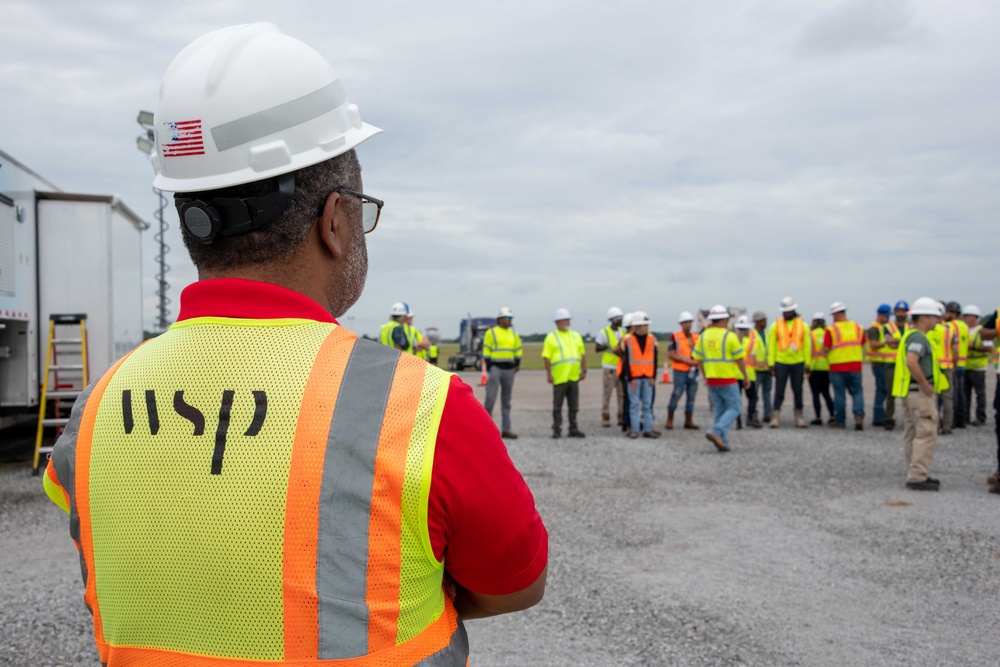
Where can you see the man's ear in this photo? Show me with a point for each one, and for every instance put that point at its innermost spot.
(333, 224)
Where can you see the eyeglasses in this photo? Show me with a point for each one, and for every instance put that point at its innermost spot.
(371, 208)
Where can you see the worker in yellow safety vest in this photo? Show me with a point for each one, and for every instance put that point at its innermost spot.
(755, 359)
(721, 354)
(565, 367)
(917, 380)
(979, 357)
(819, 371)
(882, 357)
(418, 344)
(502, 352)
(944, 338)
(685, 369)
(953, 314)
(604, 344)
(894, 330)
(789, 349)
(254, 486)
(844, 342)
(394, 332)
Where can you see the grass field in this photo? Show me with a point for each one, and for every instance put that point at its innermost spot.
(532, 359)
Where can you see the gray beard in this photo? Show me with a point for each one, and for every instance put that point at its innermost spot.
(346, 292)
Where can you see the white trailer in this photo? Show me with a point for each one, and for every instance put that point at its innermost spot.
(62, 253)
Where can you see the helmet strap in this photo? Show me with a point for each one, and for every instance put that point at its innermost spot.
(228, 216)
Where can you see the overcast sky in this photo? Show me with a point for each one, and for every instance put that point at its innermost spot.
(650, 155)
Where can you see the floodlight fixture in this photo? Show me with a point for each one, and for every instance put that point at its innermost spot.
(145, 118)
(144, 145)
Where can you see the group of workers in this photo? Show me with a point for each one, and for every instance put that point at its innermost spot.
(747, 355)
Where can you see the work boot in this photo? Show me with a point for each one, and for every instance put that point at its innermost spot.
(859, 423)
(775, 418)
(993, 479)
(890, 424)
(651, 434)
(800, 421)
(606, 420)
(754, 422)
(670, 420)
(739, 423)
(576, 433)
(689, 421)
(717, 441)
(633, 434)
(556, 433)
(509, 435)
(837, 425)
(816, 422)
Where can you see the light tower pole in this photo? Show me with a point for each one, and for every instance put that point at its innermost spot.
(145, 145)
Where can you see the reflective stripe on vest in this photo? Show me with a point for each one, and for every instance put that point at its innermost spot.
(756, 351)
(271, 516)
(713, 353)
(946, 350)
(847, 338)
(788, 340)
(563, 358)
(684, 347)
(641, 363)
(884, 354)
(977, 360)
(962, 334)
(508, 350)
(609, 358)
(819, 361)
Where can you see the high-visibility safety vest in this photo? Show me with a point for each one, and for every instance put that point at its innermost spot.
(750, 348)
(883, 354)
(385, 335)
(962, 331)
(565, 350)
(756, 352)
(978, 361)
(641, 363)
(501, 344)
(943, 338)
(413, 336)
(718, 350)
(788, 343)
(613, 336)
(848, 340)
(901, 374)
(684, 347)
(432, 351)
(620, 366)
(276, 506)
(819, 359)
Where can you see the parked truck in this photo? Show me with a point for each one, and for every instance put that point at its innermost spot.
(470, 343)
(62, 253)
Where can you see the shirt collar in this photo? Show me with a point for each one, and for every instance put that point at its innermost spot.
(248, 299)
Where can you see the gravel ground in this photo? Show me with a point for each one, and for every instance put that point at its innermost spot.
(801, 547)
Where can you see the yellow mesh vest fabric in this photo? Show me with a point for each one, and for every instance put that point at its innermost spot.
(169, 543)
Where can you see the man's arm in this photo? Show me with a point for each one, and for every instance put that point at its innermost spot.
(913, 363)
(399, 339)
(873, 339)
(478, 605)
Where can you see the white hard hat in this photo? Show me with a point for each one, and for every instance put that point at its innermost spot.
(505, 311)
(837, 307)
(614, 312)
(399, 308)
(627, 320)
(925, 306)
(743, 322)
(971, 310)
(718, 312)
(685, 316)
(941, 308)
(819, 316)
(246, 103)
(788, 305)
(561, 314)
(639, 318)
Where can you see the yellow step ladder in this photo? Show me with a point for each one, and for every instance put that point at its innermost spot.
(66, 376)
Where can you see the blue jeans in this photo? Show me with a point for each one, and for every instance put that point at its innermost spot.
(726, 405)
(764, 390)
(684, 381)
(640, 398)
(881, 390)
(843, 383)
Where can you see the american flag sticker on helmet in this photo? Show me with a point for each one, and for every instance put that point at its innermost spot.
(181, 138)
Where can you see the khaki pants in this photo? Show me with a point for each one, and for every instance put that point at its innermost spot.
(920, 422)
(948, 400)
(611, 384)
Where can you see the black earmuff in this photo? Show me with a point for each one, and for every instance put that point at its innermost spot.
(206, 219)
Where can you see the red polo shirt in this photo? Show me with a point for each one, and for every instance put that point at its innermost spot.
(481, 515)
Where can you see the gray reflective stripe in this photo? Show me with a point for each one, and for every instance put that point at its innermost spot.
(563, 359)
(455, 653)
(269, 121)
(64, 460)
(345, 500)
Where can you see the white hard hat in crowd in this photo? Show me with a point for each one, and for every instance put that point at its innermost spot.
(685, 316)
(561, 314)
(969, 309)
(718, 312)
(627, 320)
(925, 306)
(819, 316)
(788, 305)
(614, 312)
(837, 307)
(246, 103)
(941, 308)
(505, 311)
(399, 308)
(639, 318)
(743, 322)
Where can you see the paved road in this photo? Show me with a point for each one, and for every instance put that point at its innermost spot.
(801, 547)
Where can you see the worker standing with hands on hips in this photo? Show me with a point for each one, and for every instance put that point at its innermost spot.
(605, 342)
(685, 370)
(917, 380)
(565, 367)
(502, 353)
(292, 494)
(720, 353)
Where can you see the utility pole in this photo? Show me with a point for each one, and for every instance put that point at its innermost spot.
(146, 146)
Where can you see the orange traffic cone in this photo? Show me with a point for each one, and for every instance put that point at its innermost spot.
(666, 374)
(484, 376)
